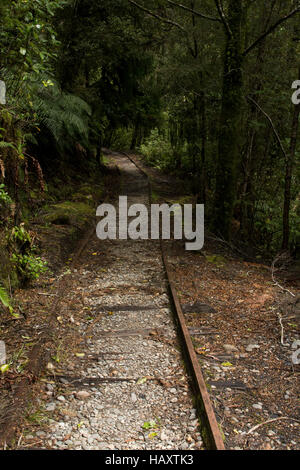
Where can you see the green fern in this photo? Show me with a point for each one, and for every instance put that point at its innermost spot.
(4, 145)
(63, 115)
(30, 139)
(5, 299)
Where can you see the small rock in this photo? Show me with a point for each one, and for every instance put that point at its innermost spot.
(120, 427)
(82, 395)
(229, 348)
(173, 390)
(63, 381)
(251, 347)
(61, 398)
(50, 407)
(199, 445)
(257, 406)
(296, 344)
(267, 446)
(133, 398)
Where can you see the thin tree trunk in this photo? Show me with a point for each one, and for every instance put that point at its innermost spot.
(135, 135)
(288, 177)
(202, 195)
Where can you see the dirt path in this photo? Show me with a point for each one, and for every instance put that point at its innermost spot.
(124, 385)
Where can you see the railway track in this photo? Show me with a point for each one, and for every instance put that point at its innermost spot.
(210, 428)
(125, 388)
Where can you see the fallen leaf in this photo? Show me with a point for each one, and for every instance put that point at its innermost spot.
(201, 351)
(80, 354)
(4, 368)
(153, 333)
(142, 380)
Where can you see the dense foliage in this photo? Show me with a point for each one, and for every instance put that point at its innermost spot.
(225, 72)
(200, 88)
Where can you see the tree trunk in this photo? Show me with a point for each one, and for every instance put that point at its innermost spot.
(230, 129)
(288, 177)
(135, 134)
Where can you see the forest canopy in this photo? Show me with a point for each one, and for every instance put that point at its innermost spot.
(201, 88)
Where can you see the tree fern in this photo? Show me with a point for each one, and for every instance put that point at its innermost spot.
(63, 115)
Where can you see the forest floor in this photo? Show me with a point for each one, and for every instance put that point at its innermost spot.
(102, 391)
(244, 317)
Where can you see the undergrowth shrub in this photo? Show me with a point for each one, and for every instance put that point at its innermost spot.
(5, 199)
(157, 150)
(28, 265)
(121, 139)
(5, 202)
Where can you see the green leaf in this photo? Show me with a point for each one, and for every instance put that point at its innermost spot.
(149, 425)
(4, 368)
(4, 298)
(142, 380)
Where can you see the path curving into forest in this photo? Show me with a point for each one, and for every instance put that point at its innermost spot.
(127, 388)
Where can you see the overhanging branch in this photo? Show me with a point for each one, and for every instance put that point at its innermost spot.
(270, 30)
(195, 12)
(223, 17)
(158, 17)
(272, 125)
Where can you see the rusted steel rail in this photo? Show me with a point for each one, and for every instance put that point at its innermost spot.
(211, 433)
(210, 429)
